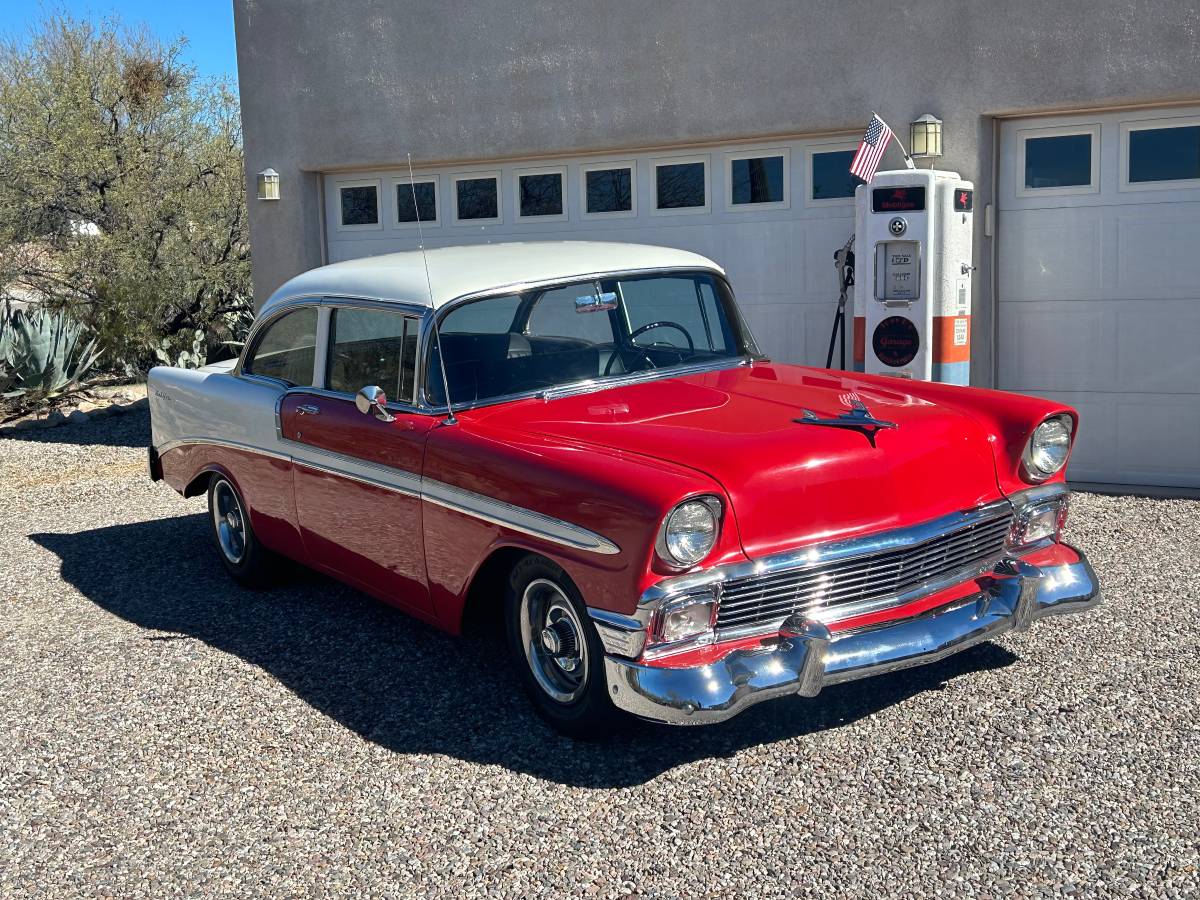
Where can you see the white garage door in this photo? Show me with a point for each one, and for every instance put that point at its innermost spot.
(1099, 285)
(772, 214)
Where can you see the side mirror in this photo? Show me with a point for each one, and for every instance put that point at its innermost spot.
(372, 399)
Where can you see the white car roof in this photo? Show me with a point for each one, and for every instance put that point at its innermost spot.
(457, 271)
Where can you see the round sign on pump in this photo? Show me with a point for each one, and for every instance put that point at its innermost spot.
(896, 341)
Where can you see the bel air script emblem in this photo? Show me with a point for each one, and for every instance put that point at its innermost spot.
(859, 419)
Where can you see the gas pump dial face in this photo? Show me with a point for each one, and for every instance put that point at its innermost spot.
(895, 341)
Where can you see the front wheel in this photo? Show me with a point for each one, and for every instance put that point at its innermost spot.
(244, 557)
(557, 650)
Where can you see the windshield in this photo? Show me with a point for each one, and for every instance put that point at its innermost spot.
(607, 328)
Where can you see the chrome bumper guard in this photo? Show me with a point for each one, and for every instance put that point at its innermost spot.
(808, 657)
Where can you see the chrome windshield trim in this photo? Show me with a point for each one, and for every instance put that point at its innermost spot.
(820, 553)
(667, 372)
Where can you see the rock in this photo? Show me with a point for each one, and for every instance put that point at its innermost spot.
(78, 417)
(88, 406)
(53, 419)
(143, 403)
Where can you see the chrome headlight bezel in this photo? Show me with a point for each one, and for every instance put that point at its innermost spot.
(1034, 455)
(667, 549)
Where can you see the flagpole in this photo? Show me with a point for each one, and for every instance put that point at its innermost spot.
(907, 159)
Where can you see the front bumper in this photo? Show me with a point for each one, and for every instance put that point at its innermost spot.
(807, 656)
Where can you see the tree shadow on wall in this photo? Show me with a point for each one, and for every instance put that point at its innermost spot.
(410, 688)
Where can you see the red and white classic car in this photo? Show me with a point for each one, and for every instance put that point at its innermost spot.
(672, 525)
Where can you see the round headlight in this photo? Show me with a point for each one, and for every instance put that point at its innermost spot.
(1048, 447)
(690, 531)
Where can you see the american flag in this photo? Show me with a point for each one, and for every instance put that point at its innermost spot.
(870, 151)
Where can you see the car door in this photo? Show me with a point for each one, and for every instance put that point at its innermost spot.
(357, 475)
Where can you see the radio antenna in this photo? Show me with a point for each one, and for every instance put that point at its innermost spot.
(437, 334)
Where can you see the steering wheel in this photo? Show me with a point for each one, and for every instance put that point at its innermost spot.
(641, 351)
(664, 324)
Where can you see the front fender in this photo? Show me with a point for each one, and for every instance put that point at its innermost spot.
(621, 497)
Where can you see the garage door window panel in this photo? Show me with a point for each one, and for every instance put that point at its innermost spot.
(757, 181)
(286, 350)
(830, 177)
(358, 206)
(1059, 161)
(416, 200)
(1160, 154)
(540, 195)
(373, 347)
(609, 190)
(477, 199)
(681, 186)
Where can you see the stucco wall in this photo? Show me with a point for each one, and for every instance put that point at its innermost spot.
(360, 83)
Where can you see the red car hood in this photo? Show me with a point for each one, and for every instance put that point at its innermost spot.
(790, 483)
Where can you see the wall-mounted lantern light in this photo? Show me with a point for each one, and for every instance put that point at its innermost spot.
(925, 137)
(268, 185)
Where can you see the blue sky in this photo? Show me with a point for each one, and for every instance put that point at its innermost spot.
(207, 24)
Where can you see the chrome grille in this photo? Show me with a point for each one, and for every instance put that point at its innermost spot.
(842, 587)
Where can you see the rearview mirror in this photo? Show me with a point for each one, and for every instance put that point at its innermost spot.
(597, 302)
(372, 399)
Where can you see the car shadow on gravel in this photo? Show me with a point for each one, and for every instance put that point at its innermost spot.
(131, 429)
(404, 685)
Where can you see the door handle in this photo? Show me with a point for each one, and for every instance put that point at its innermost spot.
(308, 410)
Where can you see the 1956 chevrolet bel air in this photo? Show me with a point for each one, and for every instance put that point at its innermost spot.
(584, 438)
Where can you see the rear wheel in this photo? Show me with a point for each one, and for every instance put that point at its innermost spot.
(244, 558)
(557, 650)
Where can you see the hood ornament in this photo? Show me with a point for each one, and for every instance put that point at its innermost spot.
(858, 418)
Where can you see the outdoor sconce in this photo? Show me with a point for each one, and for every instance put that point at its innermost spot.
(268, 185)
(925, 137)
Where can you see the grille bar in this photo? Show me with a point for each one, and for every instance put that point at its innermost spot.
(836, 589)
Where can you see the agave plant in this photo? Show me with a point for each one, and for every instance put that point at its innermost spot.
(42, 353)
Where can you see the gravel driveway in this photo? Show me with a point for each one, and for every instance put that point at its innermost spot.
(163, 732)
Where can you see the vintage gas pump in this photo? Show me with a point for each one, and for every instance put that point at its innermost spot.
(912, 293)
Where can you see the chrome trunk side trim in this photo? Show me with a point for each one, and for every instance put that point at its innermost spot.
(219, 442)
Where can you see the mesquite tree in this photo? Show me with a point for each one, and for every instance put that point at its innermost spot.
(122, 189)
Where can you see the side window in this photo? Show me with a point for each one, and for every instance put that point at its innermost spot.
(491, 316)
(554, 315)
(687, 302)
(287, 349)
(372, 346)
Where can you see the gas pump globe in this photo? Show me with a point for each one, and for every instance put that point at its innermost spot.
(912, 296)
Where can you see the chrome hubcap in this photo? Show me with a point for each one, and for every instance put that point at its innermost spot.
(553, 639)
(228, 519)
